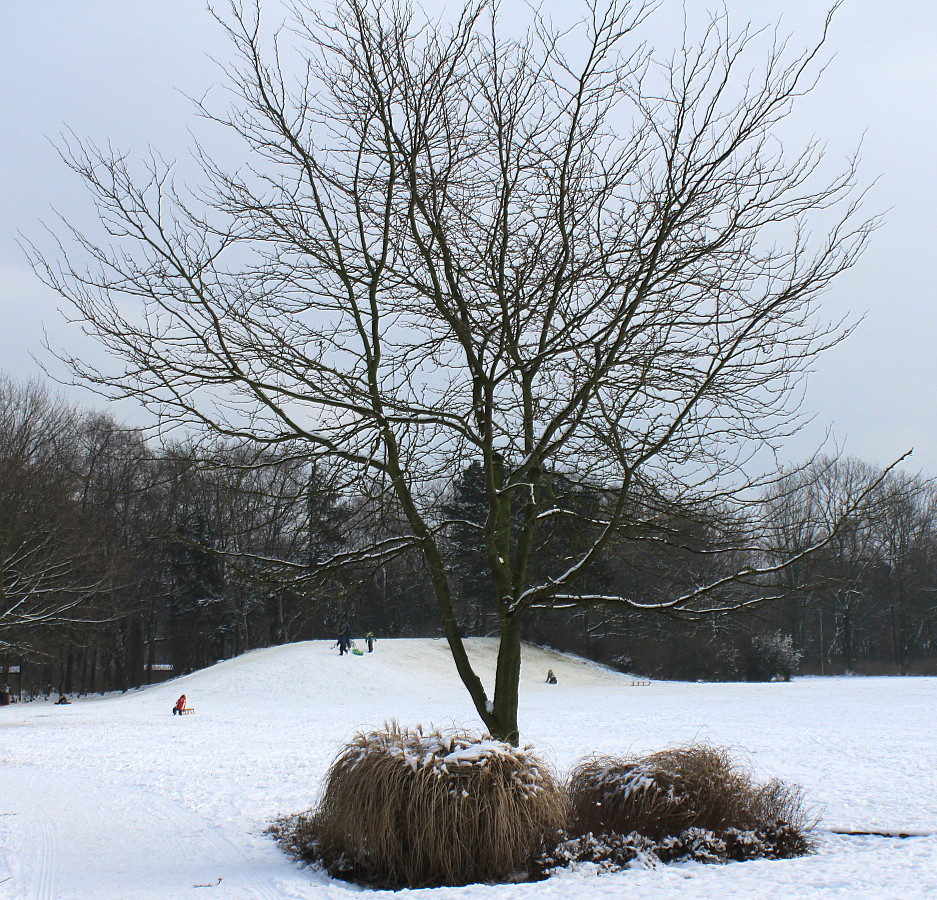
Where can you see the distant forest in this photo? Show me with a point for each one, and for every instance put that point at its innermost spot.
(122, 558)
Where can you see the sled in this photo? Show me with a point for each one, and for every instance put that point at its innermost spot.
(186, 711)
(357, 652)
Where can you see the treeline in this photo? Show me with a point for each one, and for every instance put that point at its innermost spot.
(857, 592)
(121, 559)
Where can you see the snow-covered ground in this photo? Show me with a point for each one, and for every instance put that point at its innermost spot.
(114, 798)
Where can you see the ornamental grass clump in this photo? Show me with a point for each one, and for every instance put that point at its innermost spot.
(413, 808)
(675, 796)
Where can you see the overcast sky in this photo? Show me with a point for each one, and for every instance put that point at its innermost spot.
(120, 70)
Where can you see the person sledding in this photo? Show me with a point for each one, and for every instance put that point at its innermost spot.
(551, 678)
(180, 707)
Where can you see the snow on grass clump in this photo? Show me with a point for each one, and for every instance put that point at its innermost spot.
(615, 852)
(679, 804)
(412, 808)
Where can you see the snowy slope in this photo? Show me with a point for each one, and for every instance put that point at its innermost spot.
(116, 798)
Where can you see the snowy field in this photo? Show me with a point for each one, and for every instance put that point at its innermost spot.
(114, 798)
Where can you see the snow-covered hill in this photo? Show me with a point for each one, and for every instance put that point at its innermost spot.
(114, 797)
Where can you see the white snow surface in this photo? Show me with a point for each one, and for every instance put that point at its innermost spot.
(114, 798)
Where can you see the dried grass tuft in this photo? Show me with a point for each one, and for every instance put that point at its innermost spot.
(413, 808)
(666, 793)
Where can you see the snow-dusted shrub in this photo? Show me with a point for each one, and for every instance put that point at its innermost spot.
(664, 795)
(772, 657)
(614, 852)
(414, 808)
(609, 852)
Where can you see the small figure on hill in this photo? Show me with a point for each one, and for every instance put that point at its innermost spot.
(370, 638)
(63, 700)
(551, 678)
(180, 705)
(344, 642)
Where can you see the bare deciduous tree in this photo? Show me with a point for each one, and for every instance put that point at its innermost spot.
(557, 253)
(904, 539)
(50, 575)
(816, 500)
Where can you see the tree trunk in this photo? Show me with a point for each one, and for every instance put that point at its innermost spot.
(136, 665)
(150, 654)
(503, 723)
(69, 670)
(848, 654)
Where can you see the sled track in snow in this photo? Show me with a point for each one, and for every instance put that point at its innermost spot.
(40, 882)
(47, 857)
(228, 852)
(183, 833)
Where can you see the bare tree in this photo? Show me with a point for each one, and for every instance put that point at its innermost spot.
(904, 536)
(50, 574)
(871, 582)
(820, 499)
(256, 525)
(558, 253)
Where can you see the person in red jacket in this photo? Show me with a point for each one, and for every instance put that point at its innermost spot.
(180, 705)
